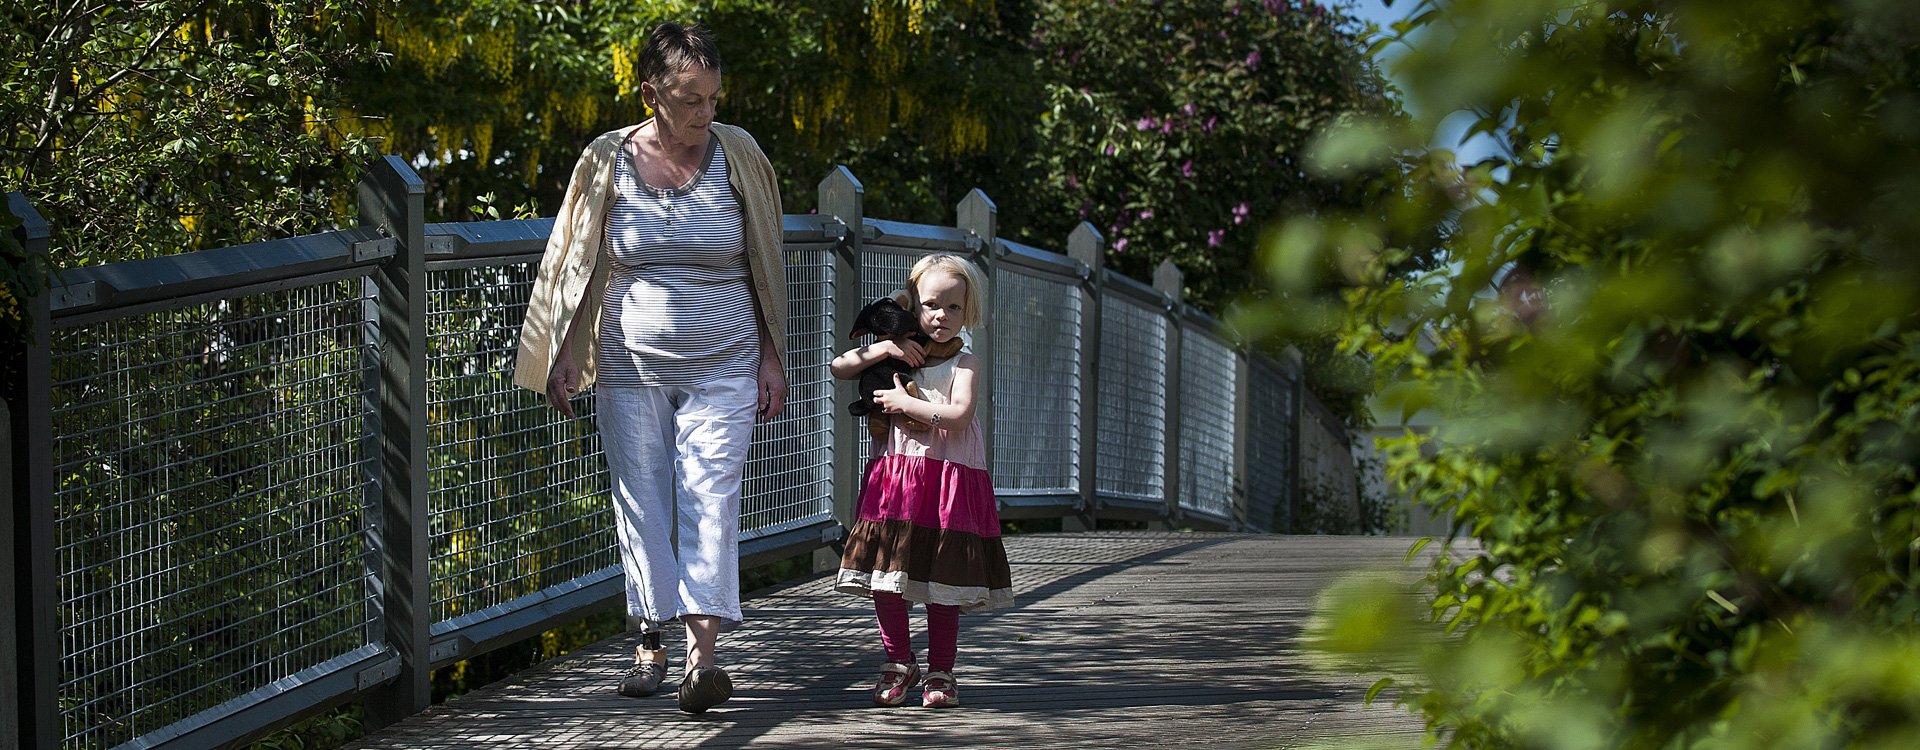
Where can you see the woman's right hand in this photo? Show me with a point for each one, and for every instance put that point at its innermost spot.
(910, 352)
(562, 383)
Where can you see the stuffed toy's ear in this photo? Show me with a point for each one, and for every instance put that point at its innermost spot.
(863, 323)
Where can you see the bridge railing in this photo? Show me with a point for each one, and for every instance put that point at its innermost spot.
(255, 482)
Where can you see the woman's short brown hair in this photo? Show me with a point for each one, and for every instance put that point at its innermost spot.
(672, 48)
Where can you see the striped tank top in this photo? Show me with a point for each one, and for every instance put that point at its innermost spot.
(678, 309)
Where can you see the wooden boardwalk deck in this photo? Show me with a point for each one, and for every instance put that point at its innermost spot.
(1120, 639)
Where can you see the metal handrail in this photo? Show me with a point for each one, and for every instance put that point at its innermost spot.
(351, 388)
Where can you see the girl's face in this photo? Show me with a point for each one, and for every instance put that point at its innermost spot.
(943, 304)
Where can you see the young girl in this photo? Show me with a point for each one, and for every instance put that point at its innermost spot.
(928, 528)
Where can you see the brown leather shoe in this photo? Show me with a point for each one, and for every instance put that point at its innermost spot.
(644, 677)
(705, 688)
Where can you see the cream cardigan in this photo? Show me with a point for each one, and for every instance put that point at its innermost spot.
(571, 271)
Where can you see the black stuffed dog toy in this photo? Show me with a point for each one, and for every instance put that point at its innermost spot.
(886, 319)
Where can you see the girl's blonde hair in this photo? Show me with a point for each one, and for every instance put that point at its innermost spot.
(976, 298)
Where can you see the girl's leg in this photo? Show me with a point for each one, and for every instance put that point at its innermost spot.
(943, 636)
(902, 671)
(891, 612)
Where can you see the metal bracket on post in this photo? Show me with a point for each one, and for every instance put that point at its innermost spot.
(378, 674)
(450, 649)
(375, 249)
(82, 294)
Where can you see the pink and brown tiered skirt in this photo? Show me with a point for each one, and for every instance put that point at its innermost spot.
(929, 530)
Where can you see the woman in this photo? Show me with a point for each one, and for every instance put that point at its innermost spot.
(663, 282)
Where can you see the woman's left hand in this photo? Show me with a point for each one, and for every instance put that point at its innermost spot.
(772, 388)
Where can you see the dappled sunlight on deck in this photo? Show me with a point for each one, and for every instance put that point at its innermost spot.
(1119, 639)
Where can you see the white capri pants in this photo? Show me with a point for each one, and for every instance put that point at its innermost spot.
(695, 439)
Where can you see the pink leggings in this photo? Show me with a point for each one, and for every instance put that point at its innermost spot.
(943, 631)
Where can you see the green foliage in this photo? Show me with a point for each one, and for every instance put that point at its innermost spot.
(1679, 432)
(323, 732)
(1177, 127)
(25, 276)
(149, 128)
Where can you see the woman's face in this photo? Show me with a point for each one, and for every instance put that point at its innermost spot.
(943, 304)
(683, 105)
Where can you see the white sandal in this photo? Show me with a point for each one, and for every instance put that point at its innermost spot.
(941, 692)
(895, 680)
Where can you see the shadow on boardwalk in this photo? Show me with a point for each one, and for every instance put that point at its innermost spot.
(1119, 639)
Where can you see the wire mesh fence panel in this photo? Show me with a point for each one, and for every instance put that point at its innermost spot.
(1270, 437)
(1132, 401)
(789, 478)
(517, 492)
(1036, 383)
(1329, 485)
(214, 467)
(1207, 387)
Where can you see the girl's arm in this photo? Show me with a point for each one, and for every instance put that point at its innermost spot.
(953, 415)
(848, 365)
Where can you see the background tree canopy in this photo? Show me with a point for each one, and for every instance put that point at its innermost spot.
(1176, 127)
(1681, 429)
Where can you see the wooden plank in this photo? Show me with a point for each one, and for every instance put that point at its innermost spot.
(1119, 639)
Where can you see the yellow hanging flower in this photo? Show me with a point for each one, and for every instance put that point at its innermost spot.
(625, 78)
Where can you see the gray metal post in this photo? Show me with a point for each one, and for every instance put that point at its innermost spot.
(9, 645)
(976, 213)
(843, 197)
(392, 198)
(1086, 245)
(1242, 404)
(34, 640)
(1297, 395)
(1168, 279)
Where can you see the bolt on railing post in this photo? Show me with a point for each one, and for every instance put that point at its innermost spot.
(31, 631)
(392, 198)
(1086, 245)
(976, 213)
(843, 197)
(1169, 281)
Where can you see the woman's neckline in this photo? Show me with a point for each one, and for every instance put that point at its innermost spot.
(693, 181)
